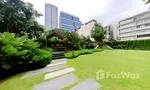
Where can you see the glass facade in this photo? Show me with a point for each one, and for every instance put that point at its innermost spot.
(69, 22)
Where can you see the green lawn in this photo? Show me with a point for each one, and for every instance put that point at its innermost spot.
(115, 61)
(16, 83)
(86, 67)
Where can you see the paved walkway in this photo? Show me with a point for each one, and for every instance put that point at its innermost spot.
(43, 70)
(89, 84)
(58, 73)
(56, 64)
(62, 80)
(57, 83)
(58, 60)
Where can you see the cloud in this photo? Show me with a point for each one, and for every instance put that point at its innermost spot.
(105, 11)
(120, 9)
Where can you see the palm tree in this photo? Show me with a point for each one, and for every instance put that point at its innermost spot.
(98, 33)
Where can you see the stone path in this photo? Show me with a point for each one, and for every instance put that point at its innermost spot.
(56, 64)
(58, 83)
(58, 60)
(58, 73)
(61, 81)
(43, 70)
(89, 84)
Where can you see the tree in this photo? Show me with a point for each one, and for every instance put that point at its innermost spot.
(72, 38)
(98, 33)
(84, 41)
(19, 17)
(60, 31)
(147, 1)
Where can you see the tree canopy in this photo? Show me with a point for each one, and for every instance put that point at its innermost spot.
(98, 33)
(19, 17)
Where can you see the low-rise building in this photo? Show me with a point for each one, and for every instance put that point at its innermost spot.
(85, 29)
(110, 33)
(136, 27)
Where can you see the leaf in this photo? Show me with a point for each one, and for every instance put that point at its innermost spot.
(9, 49)
(6, 66)
(22, 39)
(20, 62)
(24, 52)
(8, 36)
(147, 1)
(1, 39)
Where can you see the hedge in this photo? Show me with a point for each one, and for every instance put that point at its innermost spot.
(75, 54)
(132, 45)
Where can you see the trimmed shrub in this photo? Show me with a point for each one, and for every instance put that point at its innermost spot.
(133, 45)
(81, 52)
(86, 51)
(72, 54)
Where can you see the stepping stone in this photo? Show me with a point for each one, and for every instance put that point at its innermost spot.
(89, 84)
(43, 70)
(58, 60)
(56, 64)
(57, 83)
(58, 73)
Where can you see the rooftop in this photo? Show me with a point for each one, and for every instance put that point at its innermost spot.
(69, 14)
(134, 16)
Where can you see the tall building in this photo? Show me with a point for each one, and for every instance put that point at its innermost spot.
(69, 22)
(136, 27)
(51, 16)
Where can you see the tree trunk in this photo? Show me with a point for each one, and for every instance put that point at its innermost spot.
(101, 43)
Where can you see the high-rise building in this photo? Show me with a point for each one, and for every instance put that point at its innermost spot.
(69, 22)
(136, 27)
(51, 16)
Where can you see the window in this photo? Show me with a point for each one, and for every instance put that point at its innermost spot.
(144, 35)
(147, 24)
(135, 18)
(74, 24)
(138, 26)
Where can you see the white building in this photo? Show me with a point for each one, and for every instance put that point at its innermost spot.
(85, 29)
(51, 16)
(136, 27)
(110, 33)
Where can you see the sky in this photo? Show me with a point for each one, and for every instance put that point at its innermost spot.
(104, 11)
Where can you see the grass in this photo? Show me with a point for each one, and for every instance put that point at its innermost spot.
(86, 67)
(16, 83)
(115, 61)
